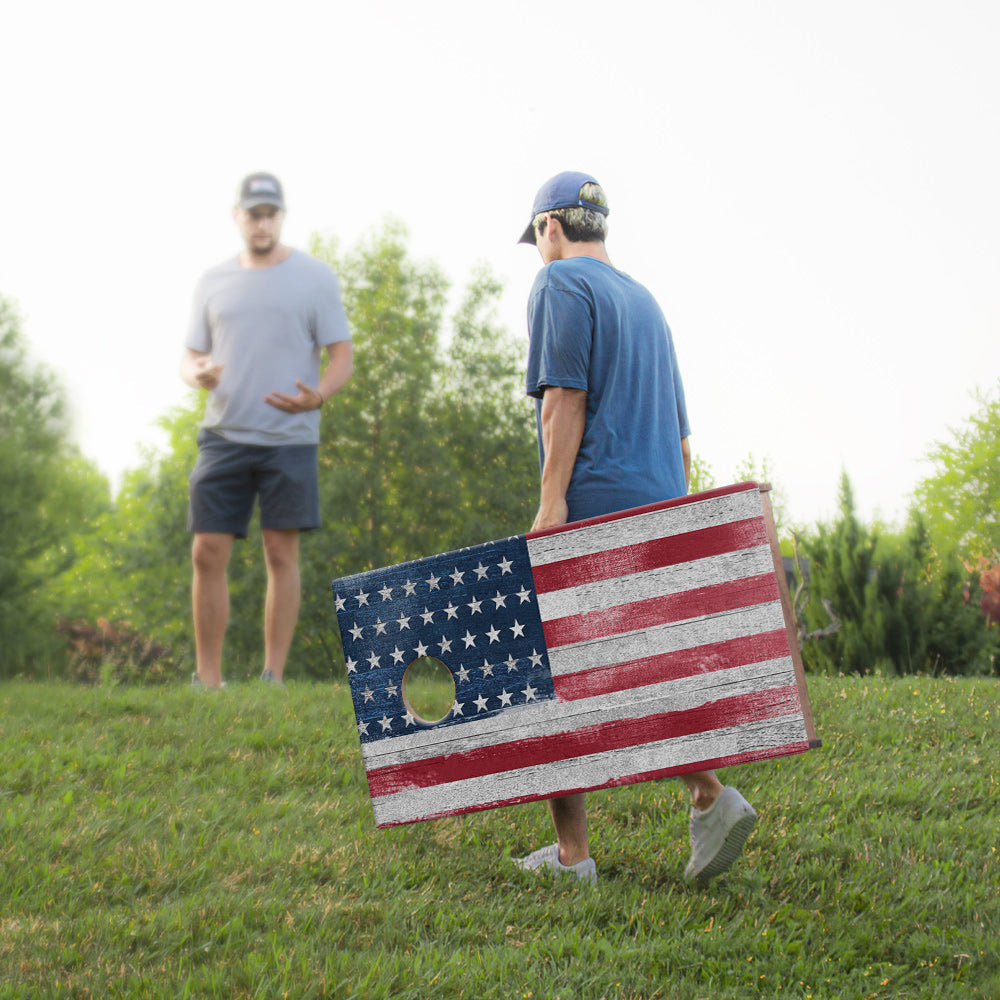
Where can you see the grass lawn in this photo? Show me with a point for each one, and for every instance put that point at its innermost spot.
(174, 843)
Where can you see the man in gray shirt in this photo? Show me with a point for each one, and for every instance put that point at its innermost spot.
(259, 324)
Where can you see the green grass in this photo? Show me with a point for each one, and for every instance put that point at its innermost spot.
(171, 843)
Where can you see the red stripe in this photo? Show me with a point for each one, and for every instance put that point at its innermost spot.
(612, 563)
(719, 491)
(671, 666)
(608, 736)
(730, 760)
(718, 597)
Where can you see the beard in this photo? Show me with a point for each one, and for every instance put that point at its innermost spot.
(264, 248)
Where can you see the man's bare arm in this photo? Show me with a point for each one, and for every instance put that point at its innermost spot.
(198, 370)
(564, 417)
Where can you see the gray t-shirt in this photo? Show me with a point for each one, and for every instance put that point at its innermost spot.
(266, 327)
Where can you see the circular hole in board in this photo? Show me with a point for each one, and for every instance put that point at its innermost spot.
(428, 690)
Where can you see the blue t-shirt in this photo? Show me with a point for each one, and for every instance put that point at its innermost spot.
(592, 327)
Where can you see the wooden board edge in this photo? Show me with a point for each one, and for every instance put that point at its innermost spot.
(786, 606)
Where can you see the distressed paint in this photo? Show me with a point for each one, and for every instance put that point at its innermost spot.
(635, 646)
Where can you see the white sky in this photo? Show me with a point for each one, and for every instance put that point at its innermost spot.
(811, 190)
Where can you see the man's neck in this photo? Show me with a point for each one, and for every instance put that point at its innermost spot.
(593, 248)
(257, 261)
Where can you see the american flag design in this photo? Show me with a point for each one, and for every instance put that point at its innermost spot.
(638, 645)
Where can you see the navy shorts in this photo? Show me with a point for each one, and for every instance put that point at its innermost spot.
(229, 476)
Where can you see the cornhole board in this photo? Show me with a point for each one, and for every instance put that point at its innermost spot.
(652, 642)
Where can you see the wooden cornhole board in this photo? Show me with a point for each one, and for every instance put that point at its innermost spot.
(652, 642)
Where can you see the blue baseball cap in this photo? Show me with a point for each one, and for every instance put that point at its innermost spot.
(561, 191)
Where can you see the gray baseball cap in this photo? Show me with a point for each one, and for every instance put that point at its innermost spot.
(261, 189)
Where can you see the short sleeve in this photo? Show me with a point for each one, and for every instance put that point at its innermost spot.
(560, 325)
(331, 324)
(199, 333)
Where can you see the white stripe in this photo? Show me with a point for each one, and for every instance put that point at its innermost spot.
(639, 528)
(660, 582)
(668, 638)
(552, 718)
(590, 771)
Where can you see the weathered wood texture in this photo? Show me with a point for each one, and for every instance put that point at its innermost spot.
(650, 643)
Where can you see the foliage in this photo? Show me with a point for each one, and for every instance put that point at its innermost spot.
(164, 843)
(899, 606)
(430, 446)
(114, 652)
(49, 495)
(961, 501)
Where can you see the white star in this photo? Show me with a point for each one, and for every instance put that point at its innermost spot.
(433, 581)
(391, 690)
(504, 565)
(362, 728)
(487, 668)
(494, 634)
(499, 600)
(403, 621)
(408, 719)
(457, 578)
(427, 616)
(536, 659)
(373, 661)
(451, 611)
(445, 644)
(340, 603)
(397, 655)
(368, 693)
(505, 697)
(475, 605)
(518, 629)
(408, 589)
(511, 664)
(386, 723)
(361, 598)
(421, 649)
(481, 704)
(524, 594)
(462, 674)
(469, 639)
(356, 631)
(456, 708)
(386, 591)
(481, 571)
(379, 627)
(529, 693)
(352, 665)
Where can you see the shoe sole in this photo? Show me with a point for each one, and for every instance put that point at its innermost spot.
(732, 848)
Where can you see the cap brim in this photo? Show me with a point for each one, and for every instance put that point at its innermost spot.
(528, 236)
(249, 203)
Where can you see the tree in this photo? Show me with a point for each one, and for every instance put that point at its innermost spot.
(900, 607)
(430, 446)
(961, 500)
(49, 491)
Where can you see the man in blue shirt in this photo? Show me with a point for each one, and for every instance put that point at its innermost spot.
(612, 434)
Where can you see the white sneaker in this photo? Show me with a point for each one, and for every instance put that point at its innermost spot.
(718, 835)
(548, 857)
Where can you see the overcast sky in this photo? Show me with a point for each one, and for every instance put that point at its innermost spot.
(810, 190)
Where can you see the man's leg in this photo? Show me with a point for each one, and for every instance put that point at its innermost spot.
(210, 602)
(281, 611)
(704, 787)
(721, 820)
(569, 817)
